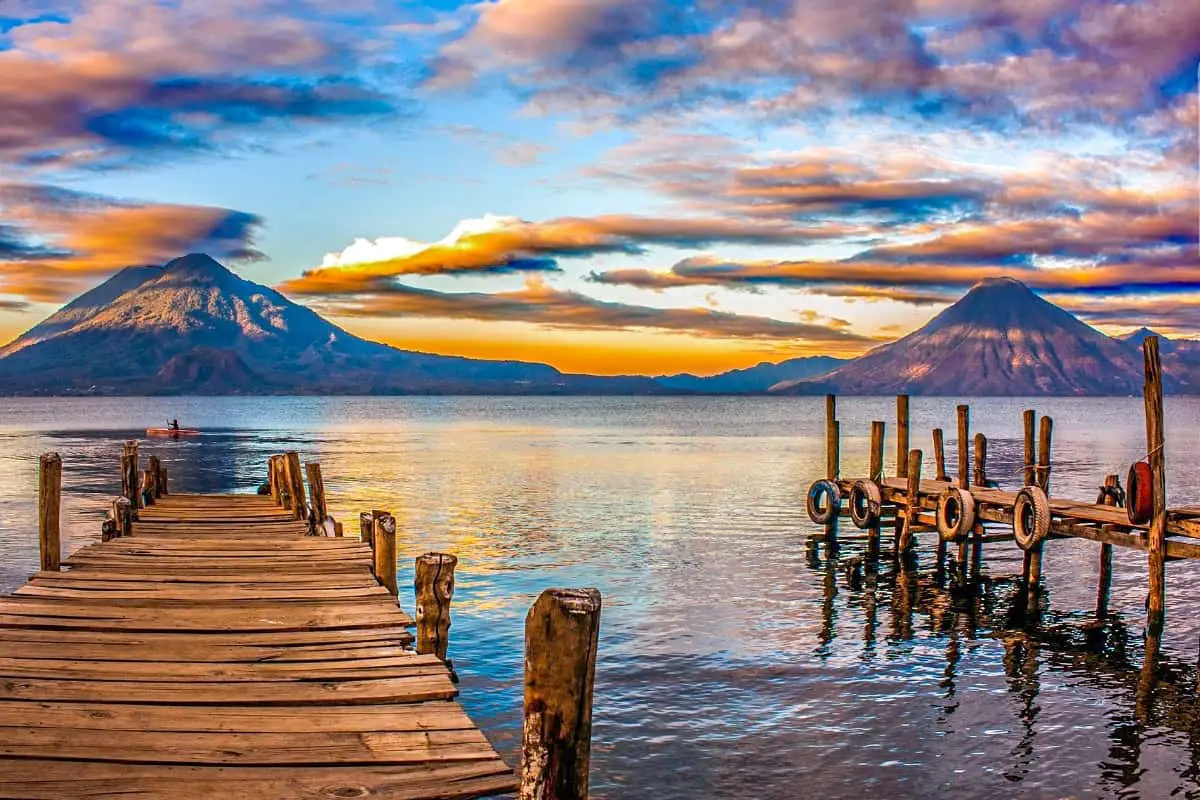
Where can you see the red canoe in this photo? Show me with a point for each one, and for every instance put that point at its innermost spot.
(171, 432)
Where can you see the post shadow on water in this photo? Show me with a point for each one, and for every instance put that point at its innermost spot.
(957, 601)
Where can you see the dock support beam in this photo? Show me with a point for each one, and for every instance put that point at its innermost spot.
(50, 512)
(901, 435)
(1155, 438)
(963, 413)
(561, 632)
(385, 552)
(832, 462)
(122, 514)
(878, 432)
(434, 587)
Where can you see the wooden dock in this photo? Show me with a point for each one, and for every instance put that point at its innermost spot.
(969, 509)
(220, 652)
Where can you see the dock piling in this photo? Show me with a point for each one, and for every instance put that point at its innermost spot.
(295, 483)
(901, 435)
(385, 552)
(904, 543)
(1032, 567)
(561, 632)
(1029, 417)
(434, 589)
(156, 477)
(1104, 583)
(122, 514)
(832, 438)
(964, 442)
(50, 512)
(877, 437)
(316, 490)
(1155, 439)
(939, 455)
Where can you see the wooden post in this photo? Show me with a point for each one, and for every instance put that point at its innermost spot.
(164, 483)
(939, 455)
(275, 478)
(337, 529)
(50, 511)
(561, 632)
(108, 529)
(316, 488)
(434, 587)
(901, 435)
(964, 441)
(981, 481)
(366, 529)
(132, 473)
(156, 477)
(877, 436)
(1155, 439)
(1032, 567)
(832, 439)
(385, 552)
(1045, 431)
(148, 487)
(296, 485)
(1030, 420)
(980, 460)
(122, 513)
(912, 501)
(1104, 584)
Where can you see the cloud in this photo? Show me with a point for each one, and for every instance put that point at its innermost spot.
(542, 304)
(65, 239)
(1173, 270)
(115, 81)
(991, 63)
(495, 244)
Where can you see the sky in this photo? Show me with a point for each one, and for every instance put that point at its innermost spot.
(610, 186)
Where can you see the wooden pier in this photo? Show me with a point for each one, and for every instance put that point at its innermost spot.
(970, 509)
(221, 652)
(239, 647)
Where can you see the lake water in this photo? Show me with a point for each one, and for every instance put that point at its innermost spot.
(735, 660)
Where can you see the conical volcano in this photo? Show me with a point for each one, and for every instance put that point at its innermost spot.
(194, 326)
(1001, 338)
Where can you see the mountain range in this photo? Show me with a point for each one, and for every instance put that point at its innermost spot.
(194, 327)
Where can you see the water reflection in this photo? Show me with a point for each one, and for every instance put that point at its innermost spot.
(743, 652)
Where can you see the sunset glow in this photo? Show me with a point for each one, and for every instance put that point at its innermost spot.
(600, 186)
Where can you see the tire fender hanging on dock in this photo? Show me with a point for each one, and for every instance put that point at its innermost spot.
(824, 502)
(955, 514)
(866, 500)
(1031, 517)
(1139, 494)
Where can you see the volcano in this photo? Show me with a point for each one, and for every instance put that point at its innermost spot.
(193, 326)
(1000, 339)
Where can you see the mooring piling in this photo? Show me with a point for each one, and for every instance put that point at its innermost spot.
(433, 585)
(561, 633)
(50, 512)
(901, 435)
(385, 552)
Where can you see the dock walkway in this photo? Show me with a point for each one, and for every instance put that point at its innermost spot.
(219, 652)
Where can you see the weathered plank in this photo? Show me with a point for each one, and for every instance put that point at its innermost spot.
(220, 653)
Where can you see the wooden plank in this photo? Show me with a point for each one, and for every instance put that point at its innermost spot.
(434, 715)
(36, 779)
(240, 693)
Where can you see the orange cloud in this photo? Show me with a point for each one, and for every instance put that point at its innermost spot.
(507, 244)
(553, 308)
(88, 236)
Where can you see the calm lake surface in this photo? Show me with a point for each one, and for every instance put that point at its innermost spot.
(735, 660)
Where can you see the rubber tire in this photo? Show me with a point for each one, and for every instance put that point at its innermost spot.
(1139, 489)
(966, 514)
(1035, 498)
(866, 494)
(823, 516)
